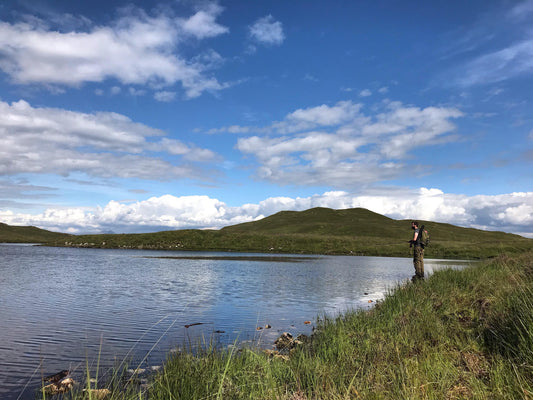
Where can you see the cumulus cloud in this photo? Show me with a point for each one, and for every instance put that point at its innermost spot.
(135, 49)
(103, 144)
(267, 31)
(302, 119)
(203, 25)
(339, 146)
(511, 212)
(320, 116)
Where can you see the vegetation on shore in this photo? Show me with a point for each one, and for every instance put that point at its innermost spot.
(29, 234)
(458, 335)
(316, 231)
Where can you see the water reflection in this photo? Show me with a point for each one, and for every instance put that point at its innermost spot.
(61, 308)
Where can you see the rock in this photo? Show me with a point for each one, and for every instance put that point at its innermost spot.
(193, 324)
(284, 342)
(307, 322)
(60, 387)
(303, 338)
(137, 371)
(267, 326)
(56, 377)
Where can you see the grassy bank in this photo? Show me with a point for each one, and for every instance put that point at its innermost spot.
(458, 335)
(450, 245)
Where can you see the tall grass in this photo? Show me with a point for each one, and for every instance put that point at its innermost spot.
(458, 335)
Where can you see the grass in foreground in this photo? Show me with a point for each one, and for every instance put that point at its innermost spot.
(458, 335)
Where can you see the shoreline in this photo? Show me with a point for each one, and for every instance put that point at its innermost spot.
(445, 337)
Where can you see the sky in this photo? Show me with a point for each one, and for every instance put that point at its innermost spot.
(140, 116)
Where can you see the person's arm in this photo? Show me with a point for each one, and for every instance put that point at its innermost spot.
(415, 236)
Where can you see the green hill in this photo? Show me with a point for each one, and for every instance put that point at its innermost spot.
(324, 221)
(360, 222)
(363, 232)
(318, 231)
(28, 234)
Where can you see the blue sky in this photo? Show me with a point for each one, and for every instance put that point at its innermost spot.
(136, 116)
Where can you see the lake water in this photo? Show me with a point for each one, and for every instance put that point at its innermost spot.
(61, 308)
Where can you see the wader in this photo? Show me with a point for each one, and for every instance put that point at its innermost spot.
(418, 261)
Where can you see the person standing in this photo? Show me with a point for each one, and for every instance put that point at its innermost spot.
(418, 252)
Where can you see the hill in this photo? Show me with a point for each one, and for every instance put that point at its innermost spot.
(318, 231)
(323, 221)
(28, 234)
(359, 222)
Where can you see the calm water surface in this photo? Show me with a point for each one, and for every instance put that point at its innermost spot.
(61, 307)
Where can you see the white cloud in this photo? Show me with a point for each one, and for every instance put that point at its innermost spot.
(339, 146)
(521, 214)
(365, 93)
(202, 24)
(320, 116)
(507, 212)
(136, 49)
(303, 119)
(165, 96)
(504, 64)
(497, 47)
(267, 30)
(104, 144)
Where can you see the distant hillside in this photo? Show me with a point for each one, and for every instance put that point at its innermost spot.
(324, 221)
(354, 231)
(359, 222)
(27, 234)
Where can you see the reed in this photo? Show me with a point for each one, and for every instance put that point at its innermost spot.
(459, 334)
